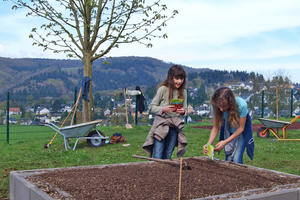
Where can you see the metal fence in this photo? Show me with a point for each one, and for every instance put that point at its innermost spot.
(272, 103)
(21, 111)
(20, 118)
(25, 119)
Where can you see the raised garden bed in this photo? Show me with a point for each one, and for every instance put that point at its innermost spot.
(154, 180)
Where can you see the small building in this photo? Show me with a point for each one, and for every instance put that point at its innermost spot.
(29, 109)
(55, 117)
(107, 112)
(66, 108)
(41, 118)
(190, 109)
(42, 111)
(14, 111)
(11, 120)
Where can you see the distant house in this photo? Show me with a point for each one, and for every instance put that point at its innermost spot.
(66, 108)
(42, 111)
(14, 111)
(190, 109)
(249, 85)
(11, 120)
(55, 117)
(296, 112)
(107, 112)
(203, 112)
(41, 118)
(29, 109)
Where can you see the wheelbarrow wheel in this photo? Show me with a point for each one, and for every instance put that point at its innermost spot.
(95, 142)
(262, 133)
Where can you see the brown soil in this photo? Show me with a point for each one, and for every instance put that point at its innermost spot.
(158, 180)
(255, 127)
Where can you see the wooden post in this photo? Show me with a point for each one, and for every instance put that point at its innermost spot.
(277, 100)
(180, 178)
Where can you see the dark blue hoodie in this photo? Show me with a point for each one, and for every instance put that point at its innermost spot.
(248, 135)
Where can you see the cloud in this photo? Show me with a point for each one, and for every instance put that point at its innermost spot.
(226, 30)
(216, 33)
(219, 22)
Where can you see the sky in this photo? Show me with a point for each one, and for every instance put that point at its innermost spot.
(261, 36)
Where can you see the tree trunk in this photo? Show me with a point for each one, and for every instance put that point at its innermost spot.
(87, 105)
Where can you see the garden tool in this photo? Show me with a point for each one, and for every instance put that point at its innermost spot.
(74, 107)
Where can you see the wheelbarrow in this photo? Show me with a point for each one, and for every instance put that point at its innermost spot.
(95, 138)
(271, 124)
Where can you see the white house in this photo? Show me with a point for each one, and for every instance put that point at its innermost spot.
(55, 117)
(42, 118)
(66, 109)
(107, 112)
(14, 111)
(29, 109)
(42, 111)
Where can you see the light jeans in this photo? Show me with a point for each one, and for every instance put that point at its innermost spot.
(237, 157)
(163, 149)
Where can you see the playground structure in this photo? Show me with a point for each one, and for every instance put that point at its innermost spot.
(271, 124)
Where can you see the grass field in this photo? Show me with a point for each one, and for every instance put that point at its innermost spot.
(30, 154)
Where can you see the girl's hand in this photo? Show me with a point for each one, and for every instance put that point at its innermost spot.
(180, 111)
(220, 145)
(204, 149)
(169, 109)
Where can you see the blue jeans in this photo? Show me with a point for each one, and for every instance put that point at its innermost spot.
(163, 149)
(237, 157)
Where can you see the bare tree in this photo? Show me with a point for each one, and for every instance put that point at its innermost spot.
(89, 29)
(278, 90)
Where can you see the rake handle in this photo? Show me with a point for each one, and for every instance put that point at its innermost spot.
(75, 106)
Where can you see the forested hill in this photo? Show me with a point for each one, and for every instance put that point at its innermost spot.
(51, 77)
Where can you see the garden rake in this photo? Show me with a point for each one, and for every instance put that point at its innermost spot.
(74, 107)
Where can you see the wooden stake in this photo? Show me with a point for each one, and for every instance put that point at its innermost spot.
(277, 101)
(127, 126)
(180, 178)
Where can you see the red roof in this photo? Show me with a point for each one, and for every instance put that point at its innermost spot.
(14, 109)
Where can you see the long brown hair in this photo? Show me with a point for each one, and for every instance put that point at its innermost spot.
(176, 71)
(224, 97)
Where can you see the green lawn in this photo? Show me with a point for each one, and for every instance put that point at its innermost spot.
(30, 154)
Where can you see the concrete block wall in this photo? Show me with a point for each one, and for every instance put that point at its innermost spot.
(21, 189)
